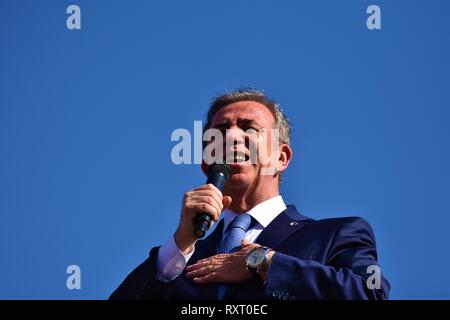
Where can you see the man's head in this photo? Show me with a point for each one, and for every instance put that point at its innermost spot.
(248, 119)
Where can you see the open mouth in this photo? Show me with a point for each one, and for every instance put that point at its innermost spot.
(236, 157)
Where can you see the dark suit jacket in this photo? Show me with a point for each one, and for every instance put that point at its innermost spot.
(324, 259)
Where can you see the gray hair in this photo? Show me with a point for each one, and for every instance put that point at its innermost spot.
(281, 120)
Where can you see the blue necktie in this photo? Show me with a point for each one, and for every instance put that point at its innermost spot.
(236, 233)
(232, 241)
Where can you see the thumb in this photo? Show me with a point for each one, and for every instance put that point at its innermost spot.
(245, 242)
(226, 201)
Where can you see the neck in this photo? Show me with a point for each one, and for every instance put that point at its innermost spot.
(244, 200)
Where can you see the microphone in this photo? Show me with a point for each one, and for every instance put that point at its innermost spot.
(217, 174)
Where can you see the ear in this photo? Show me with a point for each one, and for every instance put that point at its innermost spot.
(204, 167)
(284, 158)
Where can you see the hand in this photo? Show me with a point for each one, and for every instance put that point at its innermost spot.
(207, 199)
(224, 268)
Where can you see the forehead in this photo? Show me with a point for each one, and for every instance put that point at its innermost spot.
(249, 110)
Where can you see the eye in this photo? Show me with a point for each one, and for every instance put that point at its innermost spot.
(251, 130)
(222, 130)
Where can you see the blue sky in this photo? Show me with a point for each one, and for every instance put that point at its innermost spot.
(86, 117)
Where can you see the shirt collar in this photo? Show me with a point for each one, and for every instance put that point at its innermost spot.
(263, 212)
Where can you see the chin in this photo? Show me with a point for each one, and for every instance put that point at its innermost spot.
(238, 181)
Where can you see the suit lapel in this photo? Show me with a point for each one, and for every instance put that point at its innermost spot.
(283, 226)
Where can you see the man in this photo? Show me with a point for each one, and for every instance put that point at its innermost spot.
(261, 248)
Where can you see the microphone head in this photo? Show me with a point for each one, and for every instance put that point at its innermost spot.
(219, 168)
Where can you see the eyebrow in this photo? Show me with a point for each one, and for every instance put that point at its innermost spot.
(240, 122)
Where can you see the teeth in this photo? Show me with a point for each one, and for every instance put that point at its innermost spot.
(235, 156)
(238, 158)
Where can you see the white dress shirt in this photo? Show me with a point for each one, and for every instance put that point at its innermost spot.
(171, 261)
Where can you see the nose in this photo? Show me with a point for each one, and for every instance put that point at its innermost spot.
(234, 136)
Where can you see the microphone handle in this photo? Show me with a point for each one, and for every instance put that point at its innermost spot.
(202, 221)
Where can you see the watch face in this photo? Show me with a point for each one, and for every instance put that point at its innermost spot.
(256, 257)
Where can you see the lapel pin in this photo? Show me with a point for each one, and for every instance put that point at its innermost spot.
(293, 223)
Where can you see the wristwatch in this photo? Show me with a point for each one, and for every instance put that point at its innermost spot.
(256, 259)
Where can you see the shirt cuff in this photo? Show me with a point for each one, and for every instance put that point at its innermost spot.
(171, 261)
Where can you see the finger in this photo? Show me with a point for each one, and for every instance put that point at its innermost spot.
(206, 193)
(204, 207)
(208, 186)
(199, 272)
(209, 278)
(208, 199)
(226, 201)
(198, 265)
(221, 256)
(246, 249)
(246, 245)
(217, 257)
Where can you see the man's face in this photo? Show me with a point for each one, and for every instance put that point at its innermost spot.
(246, 127)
